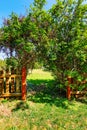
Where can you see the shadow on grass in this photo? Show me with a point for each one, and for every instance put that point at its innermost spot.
(45, 91)
(82, 100)
(21, 105)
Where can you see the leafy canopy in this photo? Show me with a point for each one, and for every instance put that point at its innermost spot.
(57, 37)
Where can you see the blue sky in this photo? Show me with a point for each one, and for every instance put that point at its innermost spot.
(17, 6)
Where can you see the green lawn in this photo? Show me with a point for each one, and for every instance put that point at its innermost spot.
(43, 109)
(39, 77)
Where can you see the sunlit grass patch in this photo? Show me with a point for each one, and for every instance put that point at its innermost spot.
(39, 79)
(39, 74)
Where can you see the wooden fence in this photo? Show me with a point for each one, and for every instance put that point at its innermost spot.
(13, 84)
(75, 92)
(10, 83)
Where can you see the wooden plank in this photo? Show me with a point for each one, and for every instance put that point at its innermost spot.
(15, 75)
(7, 84)
(18, 84)
(1, 86)
(79, 92)
(11, 95)
(1, 81)
(12, 76)
(2, 76)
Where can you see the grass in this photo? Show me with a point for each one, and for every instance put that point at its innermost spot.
(39, 77)
(43, 110)
(40, 74)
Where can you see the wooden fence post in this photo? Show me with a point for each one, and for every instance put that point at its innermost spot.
(24, 83)
(68, 93)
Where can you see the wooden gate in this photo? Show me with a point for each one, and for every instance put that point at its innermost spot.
(10, 83)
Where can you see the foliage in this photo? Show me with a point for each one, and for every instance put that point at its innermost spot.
(11, 62)
(19, 37)
(66, 38)
(57, 37)
(2, 63)
(15, 42)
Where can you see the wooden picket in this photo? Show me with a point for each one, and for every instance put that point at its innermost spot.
(10, 84)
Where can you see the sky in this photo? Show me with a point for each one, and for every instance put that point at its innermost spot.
(17, 6)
